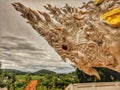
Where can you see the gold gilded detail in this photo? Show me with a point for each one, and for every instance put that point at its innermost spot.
(98, 1)
(112, 17)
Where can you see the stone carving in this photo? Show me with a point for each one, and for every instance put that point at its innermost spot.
(79, 34)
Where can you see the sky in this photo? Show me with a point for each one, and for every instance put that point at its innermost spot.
(21, 47)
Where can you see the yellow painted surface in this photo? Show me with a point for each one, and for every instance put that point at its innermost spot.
(98, 1)
(112, 17)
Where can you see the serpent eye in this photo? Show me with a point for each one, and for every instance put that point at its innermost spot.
(64, 47)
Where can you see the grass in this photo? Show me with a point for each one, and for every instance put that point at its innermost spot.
(36, 77)
(20, 88)
(23, 77)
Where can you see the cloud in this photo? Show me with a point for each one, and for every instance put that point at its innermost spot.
(21, 54)
(31, 52)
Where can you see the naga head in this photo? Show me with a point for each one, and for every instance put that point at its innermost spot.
(79, 34)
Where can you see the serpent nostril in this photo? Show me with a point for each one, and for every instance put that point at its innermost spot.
(64, 47)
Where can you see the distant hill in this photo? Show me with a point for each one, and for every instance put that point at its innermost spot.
(14, 71)
(17, 72)
(44, 71)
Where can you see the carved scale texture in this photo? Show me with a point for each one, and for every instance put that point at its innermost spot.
(79, 34)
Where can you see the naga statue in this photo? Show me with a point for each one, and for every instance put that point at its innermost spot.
(88, 36)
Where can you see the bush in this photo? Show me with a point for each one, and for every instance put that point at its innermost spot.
(2, 85)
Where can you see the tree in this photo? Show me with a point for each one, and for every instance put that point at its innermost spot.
(13, 77)
(83, 78)
(0, 68)
(28, 78)
(106, 75)
(10, 83)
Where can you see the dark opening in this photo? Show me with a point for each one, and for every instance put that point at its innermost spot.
(64, 47)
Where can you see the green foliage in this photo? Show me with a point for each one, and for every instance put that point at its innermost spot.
(106, 75)
(46, 81)
(1, 78)
(21, 77)
(53, 81)
(11, 82)
(0, 68)
(28, 78)
(2, 75)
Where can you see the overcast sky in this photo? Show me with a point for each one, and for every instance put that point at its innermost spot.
(20, 46)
